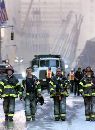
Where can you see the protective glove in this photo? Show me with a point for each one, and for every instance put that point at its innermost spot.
(21, 98)
(41, 99)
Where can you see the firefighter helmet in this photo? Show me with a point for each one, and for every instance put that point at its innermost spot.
(9, 68)
(88, 69)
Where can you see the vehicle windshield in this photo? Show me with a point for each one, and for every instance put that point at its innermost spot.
(49, 63)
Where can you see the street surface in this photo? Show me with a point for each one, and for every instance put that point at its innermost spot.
(44, 117)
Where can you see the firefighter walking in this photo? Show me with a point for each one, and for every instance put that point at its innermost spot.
(32, 91)
(58, 91)
(9, 90)
(78, 77)
(88, 91)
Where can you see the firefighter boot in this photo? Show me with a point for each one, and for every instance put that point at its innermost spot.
(33, 117)
(10, 118)
(93, 117)
(57, 118)
(87, 118)
(28, 118)
(63, 118)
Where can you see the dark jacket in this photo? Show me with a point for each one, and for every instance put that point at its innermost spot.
(31, 85)
(87, 87)
(78, 76)
(10, 87)
(59, 86)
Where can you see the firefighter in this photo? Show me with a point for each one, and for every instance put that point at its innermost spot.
(9, 90)
(59, 92)
(93, 100)
(78, 77)
(88, 91)
(32, 93)
(49, 75)
(71, 79)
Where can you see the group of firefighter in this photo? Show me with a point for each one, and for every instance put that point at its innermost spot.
(59, 87)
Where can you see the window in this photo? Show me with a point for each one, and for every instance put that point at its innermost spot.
(49, 63)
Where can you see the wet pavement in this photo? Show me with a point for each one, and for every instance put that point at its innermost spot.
(44, 117)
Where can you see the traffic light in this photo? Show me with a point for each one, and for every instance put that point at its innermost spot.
(12, 35)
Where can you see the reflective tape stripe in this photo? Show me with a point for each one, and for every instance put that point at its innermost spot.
(7, 95)
(65, 93)
(51, 83)
(62, 92)
(52, 95)
(8, 86)
(54, 86)
(11, 115)
(39, 90)
(87, 85)
(93, 94)
(87, 95)
(0, 90)
(81, 83)
(20, 93)
(28, 116)
(87, 116)
(93, 116)
(1, 83)
(13, 95)
(51, 89)
(56, 115)
(81, 90)
(63, 115)
(17, 84)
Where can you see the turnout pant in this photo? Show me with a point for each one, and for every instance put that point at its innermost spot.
(93, 108)
(30, 107)
(9, 106)
(90, 107)
(77, 88)
(60, 107)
